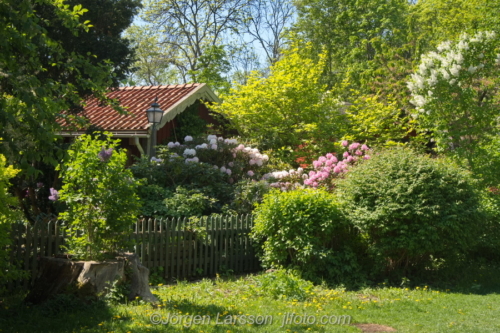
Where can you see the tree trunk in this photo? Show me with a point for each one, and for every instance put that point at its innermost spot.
(90, 278)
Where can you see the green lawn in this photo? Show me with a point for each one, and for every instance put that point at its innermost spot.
(231, 305)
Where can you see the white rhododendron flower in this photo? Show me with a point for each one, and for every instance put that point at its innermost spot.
(187, 152)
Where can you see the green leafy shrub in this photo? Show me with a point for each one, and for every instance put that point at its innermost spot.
(411, 209)
(283, 284)
(100, 196)
(153, 200)
(304, 229)
(246, 195)
(188, 203)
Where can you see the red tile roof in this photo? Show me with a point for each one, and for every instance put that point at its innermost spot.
(172, 99)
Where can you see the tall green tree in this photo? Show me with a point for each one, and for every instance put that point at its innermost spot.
(54, 55)
(194, 33)
(152, 65)
(438, 20)
(7, 271)
(351, 32)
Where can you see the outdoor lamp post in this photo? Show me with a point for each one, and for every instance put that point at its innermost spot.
(154, 117)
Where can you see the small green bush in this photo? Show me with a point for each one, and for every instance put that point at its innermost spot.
(304, 229)
(411, 209)
(283, 284)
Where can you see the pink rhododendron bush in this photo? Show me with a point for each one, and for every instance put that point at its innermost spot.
(325, 170)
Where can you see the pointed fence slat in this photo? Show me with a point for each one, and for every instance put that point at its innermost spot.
(216, 244)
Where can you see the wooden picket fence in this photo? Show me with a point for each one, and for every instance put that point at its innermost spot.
(178, 248)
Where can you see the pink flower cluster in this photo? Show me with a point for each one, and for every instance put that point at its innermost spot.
(325, 169)
(329, 165)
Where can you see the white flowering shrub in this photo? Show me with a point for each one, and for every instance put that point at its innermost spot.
(454, 91)
(226, 155)
(221, 172)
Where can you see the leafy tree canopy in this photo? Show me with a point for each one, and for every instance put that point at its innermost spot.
(54, 54)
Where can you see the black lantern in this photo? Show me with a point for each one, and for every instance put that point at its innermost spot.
(154, 114)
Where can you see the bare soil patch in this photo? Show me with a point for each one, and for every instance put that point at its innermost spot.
(372, 328)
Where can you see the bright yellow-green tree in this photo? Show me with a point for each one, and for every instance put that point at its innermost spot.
(288, 109)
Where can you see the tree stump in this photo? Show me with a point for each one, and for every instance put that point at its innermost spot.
(90, 278)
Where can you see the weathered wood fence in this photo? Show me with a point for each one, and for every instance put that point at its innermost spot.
(183, 249)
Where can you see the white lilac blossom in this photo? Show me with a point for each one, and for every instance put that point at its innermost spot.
(202, 146)
(188, 138)
(444, 46)
(211, 137)
(444, 75)
(170, 145)
(455, 69)
(463, 45)
(418, 100)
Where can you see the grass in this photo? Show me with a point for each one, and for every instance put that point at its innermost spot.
(230, 303)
